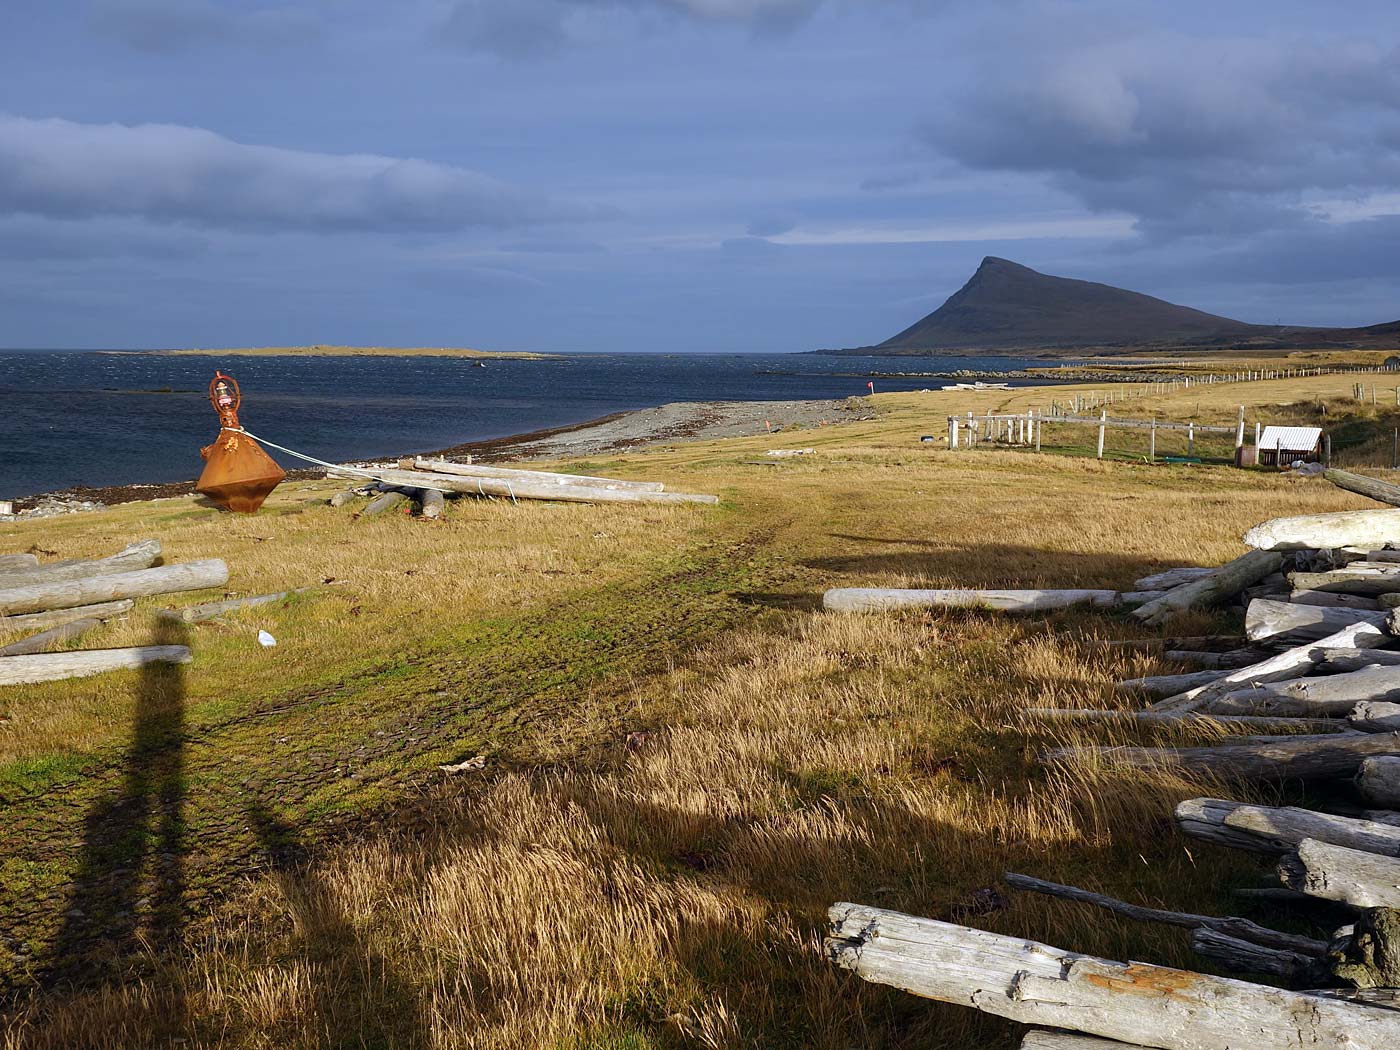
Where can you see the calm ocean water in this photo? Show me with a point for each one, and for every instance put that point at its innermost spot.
(82, 418)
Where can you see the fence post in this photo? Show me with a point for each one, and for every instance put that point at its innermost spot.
(952, 431)
(1039, 423)
(1152, 443)
(1190, 439)
(1103, 419)
(1239, 440)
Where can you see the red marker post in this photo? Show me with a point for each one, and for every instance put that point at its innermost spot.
(871, 385)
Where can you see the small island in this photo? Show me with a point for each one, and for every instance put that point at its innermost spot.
(321, 350)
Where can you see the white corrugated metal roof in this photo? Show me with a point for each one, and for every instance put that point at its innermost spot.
(1293, 439)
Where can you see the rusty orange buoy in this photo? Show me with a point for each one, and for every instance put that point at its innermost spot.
(238, 474)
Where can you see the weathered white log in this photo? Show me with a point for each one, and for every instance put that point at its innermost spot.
(1166, 580)
(431, 502)
(1352, 528)
(65, 594)
(1225, 582)
(54, 667)
(1266, 618)
(1340, 661)
(1381, 555)
(880, 599)
(1378, 780)
(210, 610)
(1287, 758)
(38, 643)
(1266, 702)
(1279, 829)
(1171, 718)
(518, 488)
(1380, 491)
(1241, 956)
(1349, 581)
(385, 501)
(1369, 683)
(477, 470)
(342, 498)
(58, 617)
(137, 556)
(1227, 661)
(1044, 1039)
(1375, 716)
(1159, 685)
(1138, 1003)
(1132, 599)
(17, 562)
(1334, 599)
(1336, 873)
(1152, 645)
(1288, 664)
(1227, 924)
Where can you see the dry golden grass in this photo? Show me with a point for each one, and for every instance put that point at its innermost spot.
(580, 893)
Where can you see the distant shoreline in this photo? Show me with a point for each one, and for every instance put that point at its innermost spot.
(346, 351)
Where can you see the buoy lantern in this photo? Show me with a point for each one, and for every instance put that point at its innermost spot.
(238, 475)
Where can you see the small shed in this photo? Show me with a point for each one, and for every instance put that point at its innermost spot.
(1284, 446)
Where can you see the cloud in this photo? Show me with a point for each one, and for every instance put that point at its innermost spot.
(174, 25)
(176, 174)
(772, 224)
(1190, 134)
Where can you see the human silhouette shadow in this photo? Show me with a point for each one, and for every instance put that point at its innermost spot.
(359, 1000)
(129, 886)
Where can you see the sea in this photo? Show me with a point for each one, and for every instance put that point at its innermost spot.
(99, 418)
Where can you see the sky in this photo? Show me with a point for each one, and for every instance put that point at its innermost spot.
(678, 175)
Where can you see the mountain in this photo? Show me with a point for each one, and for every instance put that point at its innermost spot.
(1008, 307)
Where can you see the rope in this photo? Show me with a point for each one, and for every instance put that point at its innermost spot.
(375, 475)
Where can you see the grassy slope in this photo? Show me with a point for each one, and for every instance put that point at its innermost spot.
(580, 893)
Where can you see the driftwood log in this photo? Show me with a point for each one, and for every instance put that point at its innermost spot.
(54, 667)
(1336, 873)
(879, 599)
(1225, 582)
(432, 503)
(1207, 661)
(521, 488)
(58, 617)
(1171, 718)
(17, 562)
(1375, 716)
(137, 556)
(1352, 528)
(385, 501)
(1241, 956)
(342, 498)
(1288, 664)
(1166, 580)
(1280, 829)
(1160, 685)
(1378, 779)
(1350, 580)
(44, 640)
(1334, 599)
(210, 610)
(1044, 1039)
(1380, 491)
(1337, 661)
(1235, 927)
(1269, 619)
(1265, 702)
(1285, 758)
(477, 470)
(65, 594)
(1134, 1002)
(1152, 645)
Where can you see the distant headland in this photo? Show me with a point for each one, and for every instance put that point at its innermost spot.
(321, 350)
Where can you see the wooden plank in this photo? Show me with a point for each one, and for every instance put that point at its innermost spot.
(58, 617)
(879, 599)
(65, 594)
(1138, 1003)
(136, 556)
(38, 643)
(54, 667)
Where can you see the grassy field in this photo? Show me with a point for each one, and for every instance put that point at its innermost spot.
(685, 760)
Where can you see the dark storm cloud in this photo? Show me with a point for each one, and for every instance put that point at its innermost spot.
(170, 173)
(1190, 134)
(172, 25)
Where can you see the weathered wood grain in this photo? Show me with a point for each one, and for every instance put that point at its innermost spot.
(1225, 582)
(65, 594)
(54, 667)
(136, 556)
(880, 599)
(1378, 780)
(1284, 758)
(1279, 829)
(38, 643)
(1267, 618)
(1336, 873)
(57, 617)
(1352, 528)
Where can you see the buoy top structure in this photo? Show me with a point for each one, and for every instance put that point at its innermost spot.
(238, 475)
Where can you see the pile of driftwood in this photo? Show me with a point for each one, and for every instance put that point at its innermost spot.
(425, 483)
(1321, 657)
(62, 600)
